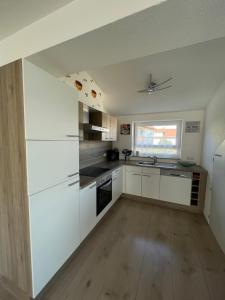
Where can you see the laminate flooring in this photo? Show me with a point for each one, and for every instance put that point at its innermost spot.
(141, 251)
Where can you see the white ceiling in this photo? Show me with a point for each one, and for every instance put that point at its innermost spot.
(169, 25)
(197, 72)
(16, 14)
(178, 38)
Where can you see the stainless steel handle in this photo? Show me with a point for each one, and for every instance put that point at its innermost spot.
(136, 174)
(73, 174)
(176, 175)
(91, 187)
(73, 183)
(147, 175)
(72, 135)
(218, 155)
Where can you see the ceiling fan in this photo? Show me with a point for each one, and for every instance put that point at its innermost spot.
(155, 87)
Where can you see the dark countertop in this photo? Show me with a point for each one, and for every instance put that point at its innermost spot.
(112, 165)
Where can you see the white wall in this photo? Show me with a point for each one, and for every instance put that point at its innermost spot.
(214, 135)
(191, 142)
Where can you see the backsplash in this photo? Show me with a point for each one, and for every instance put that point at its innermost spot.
(92, 152)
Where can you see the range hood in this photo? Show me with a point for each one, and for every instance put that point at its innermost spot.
(90, 122)
(90, 127)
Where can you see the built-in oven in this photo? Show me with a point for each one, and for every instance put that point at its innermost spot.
(104, 192)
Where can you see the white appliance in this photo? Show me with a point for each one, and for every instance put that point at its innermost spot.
(175, 186)
(217, 216)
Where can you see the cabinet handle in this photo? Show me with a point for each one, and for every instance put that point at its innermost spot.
(146, 175)
(73, 174)
(136, 174)
(218, 155)
(91, 187)
(72, 135)
(73, 183)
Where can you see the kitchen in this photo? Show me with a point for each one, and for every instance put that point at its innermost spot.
(114, 167)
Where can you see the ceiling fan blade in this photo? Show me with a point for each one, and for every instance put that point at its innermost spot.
(161, 83)
(163, 88)
(143, 91)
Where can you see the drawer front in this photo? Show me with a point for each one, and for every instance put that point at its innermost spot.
(133, 169)
(147, 170)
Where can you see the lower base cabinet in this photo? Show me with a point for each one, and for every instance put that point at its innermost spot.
(87, 210)
(175, 189)
(133, 183)
(54, 230)
(117, 184)
(150, 186)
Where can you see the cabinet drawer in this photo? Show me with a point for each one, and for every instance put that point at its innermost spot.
(147, 170)
(133, 169)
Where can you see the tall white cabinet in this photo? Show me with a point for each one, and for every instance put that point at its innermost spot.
(52, 151)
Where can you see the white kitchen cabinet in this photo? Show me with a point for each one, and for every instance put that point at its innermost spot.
(175, 189)
(133, 183)
(87, 210)
(51, 162)
(150, 186)
(54, 230)
(51, 106)
(117, 184)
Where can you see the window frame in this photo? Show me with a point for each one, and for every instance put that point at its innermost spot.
(179, 136)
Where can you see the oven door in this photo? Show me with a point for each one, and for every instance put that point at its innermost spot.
(104, 195)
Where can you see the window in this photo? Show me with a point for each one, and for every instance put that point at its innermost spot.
(158, 138)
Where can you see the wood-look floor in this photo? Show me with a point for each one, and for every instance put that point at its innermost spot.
(143, 252)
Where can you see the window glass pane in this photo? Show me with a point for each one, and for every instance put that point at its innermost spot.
(162, 139)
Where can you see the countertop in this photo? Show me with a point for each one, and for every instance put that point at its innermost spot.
(112, 165)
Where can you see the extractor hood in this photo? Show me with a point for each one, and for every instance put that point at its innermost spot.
(90, 127)
(90, 122)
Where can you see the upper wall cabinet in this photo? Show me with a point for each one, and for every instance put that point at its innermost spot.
(109, 122)
(51, 106)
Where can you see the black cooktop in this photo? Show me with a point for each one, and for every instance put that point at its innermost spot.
(93, 171)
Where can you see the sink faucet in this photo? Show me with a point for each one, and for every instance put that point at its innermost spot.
(155, 159)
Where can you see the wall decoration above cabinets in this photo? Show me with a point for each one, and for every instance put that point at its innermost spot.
(88, 90)
(125, 129)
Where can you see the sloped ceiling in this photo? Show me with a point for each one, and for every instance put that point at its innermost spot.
(197, 72)
(14, 15)
(178, 38)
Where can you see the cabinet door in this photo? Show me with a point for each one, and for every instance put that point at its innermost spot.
(106, 124)
(175, 189)
(51, 106)
(133, 184)
(54, 230)
(87, 210)
(117, 184)
(50, 162)
(150, 186)
(113, 128)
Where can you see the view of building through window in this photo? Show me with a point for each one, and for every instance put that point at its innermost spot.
(158, 138)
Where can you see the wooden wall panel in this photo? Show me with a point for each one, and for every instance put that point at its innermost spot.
(14, 228)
